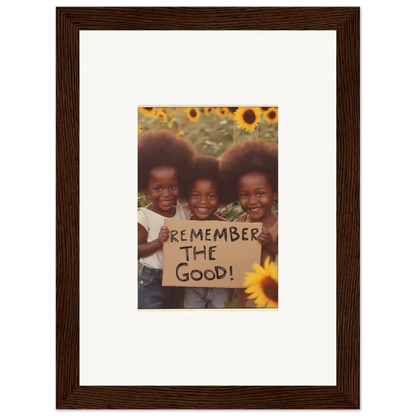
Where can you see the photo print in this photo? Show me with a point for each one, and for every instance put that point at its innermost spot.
(207, 207)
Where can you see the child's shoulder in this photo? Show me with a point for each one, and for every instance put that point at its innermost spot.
(183, 211)
(146, 213)
(143, 210)
(241, 218)
(143, 218)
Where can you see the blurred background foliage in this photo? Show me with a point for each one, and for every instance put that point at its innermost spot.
(211, 130)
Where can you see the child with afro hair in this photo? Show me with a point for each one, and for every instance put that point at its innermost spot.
(165, 161)
(250, 171)
(204, 195)
(203, 189)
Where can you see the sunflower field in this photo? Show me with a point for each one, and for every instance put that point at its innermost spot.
(211, 130)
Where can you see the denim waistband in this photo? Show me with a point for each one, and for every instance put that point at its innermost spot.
(152, 272)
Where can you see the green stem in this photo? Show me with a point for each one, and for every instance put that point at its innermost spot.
(235, 132)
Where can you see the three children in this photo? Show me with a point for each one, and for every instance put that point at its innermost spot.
(168, 168)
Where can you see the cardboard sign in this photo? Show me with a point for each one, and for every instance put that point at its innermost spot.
(209, 253)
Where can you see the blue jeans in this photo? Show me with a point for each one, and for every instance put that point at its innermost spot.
(205, 297)
(151, 293)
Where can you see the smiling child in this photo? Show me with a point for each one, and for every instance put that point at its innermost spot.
(204, 196)
(250, 170)
(165, 161)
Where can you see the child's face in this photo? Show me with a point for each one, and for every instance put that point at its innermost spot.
(203, 199)
(163, 189)
(256, 195)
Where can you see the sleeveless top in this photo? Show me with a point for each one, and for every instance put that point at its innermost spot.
(152, 222)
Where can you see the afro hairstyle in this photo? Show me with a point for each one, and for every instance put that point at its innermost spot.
(255, 155)
(205, 167)
(163, 148)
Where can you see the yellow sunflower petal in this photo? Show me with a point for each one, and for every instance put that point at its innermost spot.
(162, 114)
(254, 280)
(253, 289)
(273, 271)
(207, 111)
(221, 111)
(261, 300)
(260, 270)
(231, 112)
(254, 295)
(148, 111)
(273, 274)
(270, 268)
(267, 264)
(252, 284)
(272, 304)
(251, 274)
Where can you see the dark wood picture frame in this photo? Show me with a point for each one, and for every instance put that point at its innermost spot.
(69, 394)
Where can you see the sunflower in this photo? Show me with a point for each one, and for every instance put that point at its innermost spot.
(193, 113)
(174, 124)
(162, 113)
(263, 285)
(271, 115)
(148, 111)
(247, 117)
(181, 133)
(221, 111)
(207, 111)
(231, 112)
(139, 130)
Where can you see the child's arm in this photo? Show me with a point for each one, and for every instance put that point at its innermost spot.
(272, 248)
(146, 249)
(265, 239)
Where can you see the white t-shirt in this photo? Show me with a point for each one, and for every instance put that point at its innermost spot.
(152, 222)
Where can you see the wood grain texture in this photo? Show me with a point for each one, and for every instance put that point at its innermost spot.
(69, 394)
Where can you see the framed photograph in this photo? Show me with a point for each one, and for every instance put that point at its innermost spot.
(112, 62)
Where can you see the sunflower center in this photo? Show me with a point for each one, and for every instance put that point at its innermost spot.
(192, 113)
(264, 108)
(232, 109)
(148, 108)
(249, 117)
(270, 288)
(272, 114)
